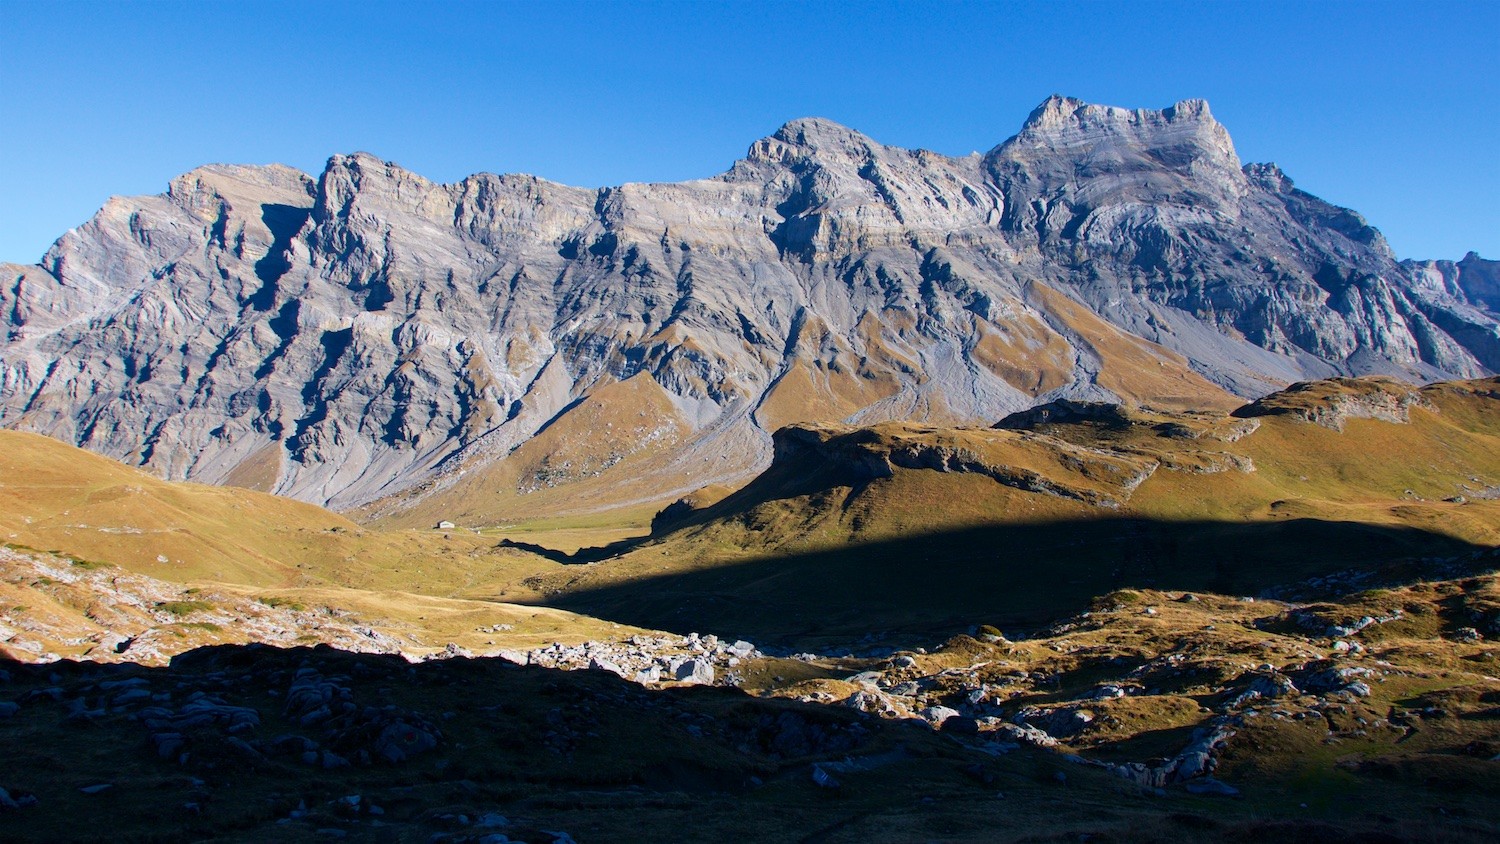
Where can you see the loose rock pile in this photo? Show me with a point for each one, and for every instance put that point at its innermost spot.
(649, 660)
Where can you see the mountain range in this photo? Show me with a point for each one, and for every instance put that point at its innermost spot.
(372, 341)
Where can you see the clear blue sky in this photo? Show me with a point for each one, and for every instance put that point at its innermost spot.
(1392, 109)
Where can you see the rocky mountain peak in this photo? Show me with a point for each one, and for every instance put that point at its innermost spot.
(1053, 112)
(1183, 138)
(1058, 113)
(1270, 176)
(245, 183)
(812, 139)
(1473, 280)
(345, 176)
(820, 133)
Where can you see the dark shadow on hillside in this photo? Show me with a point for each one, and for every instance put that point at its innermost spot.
(591, 554)
(1016, 576)
(266, 743)
(788, 480)
(257, 743)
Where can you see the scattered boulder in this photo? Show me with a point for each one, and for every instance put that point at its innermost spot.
(874, 702)
(1025, 734)
(694, 671)
(1263, 685)
(1107, 691)
(991, 635)
(597, 664)
(1060, 722)
(402, 739)
(823, 779)
(937, 715)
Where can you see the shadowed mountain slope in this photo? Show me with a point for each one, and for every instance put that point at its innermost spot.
(1113, 543)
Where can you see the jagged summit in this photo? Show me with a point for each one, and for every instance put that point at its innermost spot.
(1064, 134)
(816, 132)
(1058, 110)
(810, 140)
(533, 346)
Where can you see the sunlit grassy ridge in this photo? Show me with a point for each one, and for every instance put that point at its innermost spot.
(56, 497)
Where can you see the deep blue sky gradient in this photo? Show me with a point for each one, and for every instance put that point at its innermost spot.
(1390, 108)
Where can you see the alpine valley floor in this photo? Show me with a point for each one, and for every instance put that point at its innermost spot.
(1089, 622)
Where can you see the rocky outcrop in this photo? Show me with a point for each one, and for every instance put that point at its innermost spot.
(107, 614)
(1044, 465)
(649, 660)
(1473, 280)
(1332, 402)
(343, 337)
(1067, 412)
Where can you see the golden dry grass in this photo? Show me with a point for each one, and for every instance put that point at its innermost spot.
(1137, 370)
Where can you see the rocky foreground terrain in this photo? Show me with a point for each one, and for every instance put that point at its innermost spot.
(505, 346)
(1152, 716)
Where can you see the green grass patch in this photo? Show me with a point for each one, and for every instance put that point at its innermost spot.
(1119, 597)
(275, 602)
(183, 607)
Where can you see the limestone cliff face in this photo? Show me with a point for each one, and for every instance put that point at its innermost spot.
(365, 332)
(1474, 284)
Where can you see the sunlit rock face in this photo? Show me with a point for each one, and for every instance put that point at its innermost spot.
(344, 337)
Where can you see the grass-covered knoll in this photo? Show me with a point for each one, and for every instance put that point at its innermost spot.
(55, 497)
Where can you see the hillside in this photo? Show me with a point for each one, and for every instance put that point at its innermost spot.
(1091, 620)
(896, 529)
(890, 531)
(56, 496)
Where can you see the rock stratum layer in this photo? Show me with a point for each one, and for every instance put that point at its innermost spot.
(367, 333)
